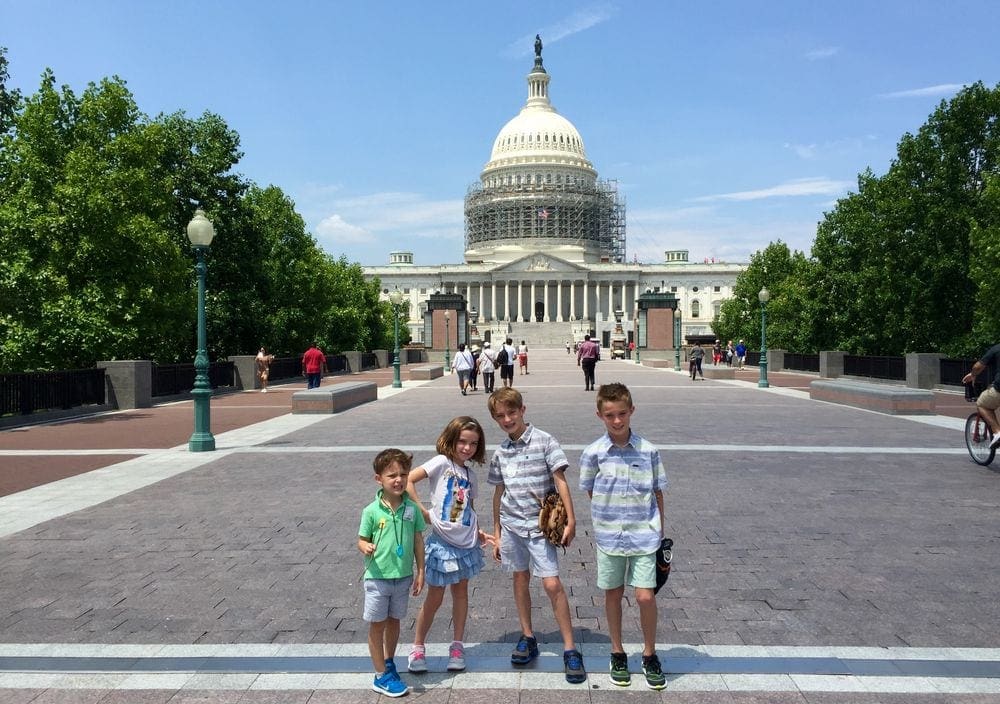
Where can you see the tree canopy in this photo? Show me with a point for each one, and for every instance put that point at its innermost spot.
(908, 262)
(94, 259)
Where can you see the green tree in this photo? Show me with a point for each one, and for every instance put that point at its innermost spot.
(90, 271)
(9, 99)
(782, 272)
(893, 260)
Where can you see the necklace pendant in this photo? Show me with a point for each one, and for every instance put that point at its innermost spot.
(399, 551)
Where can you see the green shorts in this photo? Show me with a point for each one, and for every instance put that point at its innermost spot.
(614, 571)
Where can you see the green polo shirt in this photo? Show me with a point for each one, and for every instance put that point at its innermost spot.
(389, 530)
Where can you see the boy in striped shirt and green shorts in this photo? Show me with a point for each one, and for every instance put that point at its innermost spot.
(624, 477)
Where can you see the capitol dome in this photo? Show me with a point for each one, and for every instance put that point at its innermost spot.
(538, 136)
(540, 193)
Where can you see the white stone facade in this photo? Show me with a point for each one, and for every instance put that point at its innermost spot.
(543, 261)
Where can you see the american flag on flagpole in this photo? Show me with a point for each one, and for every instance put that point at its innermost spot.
(543, 213)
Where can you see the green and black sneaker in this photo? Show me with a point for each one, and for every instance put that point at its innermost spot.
(619, 670)
(654, 673)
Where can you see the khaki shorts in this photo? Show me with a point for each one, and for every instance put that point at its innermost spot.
(989, 399)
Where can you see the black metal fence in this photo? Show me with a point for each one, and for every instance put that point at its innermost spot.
(802, 362)
(175, 379)
(893, 368)
(369, 360)
(30, 392)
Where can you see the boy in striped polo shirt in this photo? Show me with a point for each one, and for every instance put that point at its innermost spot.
(624, 477)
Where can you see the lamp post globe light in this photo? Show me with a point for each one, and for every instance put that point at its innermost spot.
(447, 342)
(396, 299)
(201, 232)
(764, 296)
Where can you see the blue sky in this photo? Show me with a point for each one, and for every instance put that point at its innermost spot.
(727, 124)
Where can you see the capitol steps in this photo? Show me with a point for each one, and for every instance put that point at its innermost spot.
(541, 334)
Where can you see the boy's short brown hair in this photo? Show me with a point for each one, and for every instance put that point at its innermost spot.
(504, 398)
(386, 458)
(613, 392)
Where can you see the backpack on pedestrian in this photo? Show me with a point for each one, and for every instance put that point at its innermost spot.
(502, 357)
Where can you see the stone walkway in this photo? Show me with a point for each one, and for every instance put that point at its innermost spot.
(823, 553)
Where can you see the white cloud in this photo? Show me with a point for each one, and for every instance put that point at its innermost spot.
(940, 90)
(823, 53)
(804, 151)
(337, 231)
(794, 188)
(578, 21)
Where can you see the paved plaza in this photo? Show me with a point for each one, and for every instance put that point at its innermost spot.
(823, 554)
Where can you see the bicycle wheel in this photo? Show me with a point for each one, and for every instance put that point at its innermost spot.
(978, 437)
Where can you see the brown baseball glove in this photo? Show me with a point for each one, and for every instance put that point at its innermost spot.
(552, 519)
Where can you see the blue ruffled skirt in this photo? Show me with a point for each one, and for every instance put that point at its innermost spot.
(445, 564)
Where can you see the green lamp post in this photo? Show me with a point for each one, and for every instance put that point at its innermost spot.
(764, 296)
(396, 299)
(201, 232)
(447, 341)
(677, 338)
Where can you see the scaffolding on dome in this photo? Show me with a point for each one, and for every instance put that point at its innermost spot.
(592, 215)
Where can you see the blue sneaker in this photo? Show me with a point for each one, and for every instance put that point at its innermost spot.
(390, 685)
(525, 651)
(573, 665)
(390, 666)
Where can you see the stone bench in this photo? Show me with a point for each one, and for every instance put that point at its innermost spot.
(427, 372)
(334, 398)
(895, 400)
(658, 363)
(712, 372)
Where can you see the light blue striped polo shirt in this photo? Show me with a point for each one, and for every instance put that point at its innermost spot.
(525, 466)
(624, 480)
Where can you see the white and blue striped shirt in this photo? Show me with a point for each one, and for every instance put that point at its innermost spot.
(624, 482)
(525, 467)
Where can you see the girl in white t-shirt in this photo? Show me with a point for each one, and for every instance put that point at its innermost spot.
(452, 554)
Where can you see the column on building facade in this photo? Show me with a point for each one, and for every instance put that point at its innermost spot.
(520, 300)
(586, 301)
(531, 304)
(559, 315)
(624, 301)
(493, 300)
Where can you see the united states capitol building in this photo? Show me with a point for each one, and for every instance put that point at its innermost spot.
(545, 244)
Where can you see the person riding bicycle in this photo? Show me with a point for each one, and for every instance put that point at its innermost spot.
(988, 401)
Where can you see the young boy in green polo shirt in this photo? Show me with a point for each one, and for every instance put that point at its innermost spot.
(386, 538)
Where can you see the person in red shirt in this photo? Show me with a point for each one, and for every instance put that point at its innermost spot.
(313, 366)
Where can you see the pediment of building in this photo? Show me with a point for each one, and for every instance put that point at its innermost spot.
(539, 263)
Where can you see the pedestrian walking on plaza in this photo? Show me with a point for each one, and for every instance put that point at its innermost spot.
(453, 551)
(741, 353)
(587, 358)
(716, 353)
(474, 372)
(522, 357)
(567, 346)
(387, 539)
(528, 466)
(624, 477)
(313, 366)
(696, 355)
(505, 359)
(263, 364)
(487, 365)
(462, 363)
